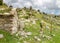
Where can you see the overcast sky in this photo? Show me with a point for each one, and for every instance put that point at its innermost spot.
(48, 6)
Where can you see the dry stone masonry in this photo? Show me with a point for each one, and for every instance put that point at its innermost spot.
(9, 21)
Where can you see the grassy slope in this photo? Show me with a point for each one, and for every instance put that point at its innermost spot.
(7, 37)
(35, 30)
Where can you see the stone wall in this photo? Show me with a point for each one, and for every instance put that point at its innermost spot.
(9, 21)
(6, 22)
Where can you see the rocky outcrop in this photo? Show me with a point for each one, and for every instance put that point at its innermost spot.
(9, 21)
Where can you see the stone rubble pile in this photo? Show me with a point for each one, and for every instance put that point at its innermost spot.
(24, 34)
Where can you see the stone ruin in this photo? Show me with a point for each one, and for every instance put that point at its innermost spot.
(9, 21)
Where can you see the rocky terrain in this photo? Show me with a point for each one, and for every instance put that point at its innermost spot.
(34, 27)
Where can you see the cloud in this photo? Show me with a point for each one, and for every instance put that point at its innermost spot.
(38, 2)
(28, 4)
(47, 6)
(58, 3)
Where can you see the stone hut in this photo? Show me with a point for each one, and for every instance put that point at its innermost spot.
(9, 21)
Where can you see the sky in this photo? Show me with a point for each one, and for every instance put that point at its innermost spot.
(47, 6)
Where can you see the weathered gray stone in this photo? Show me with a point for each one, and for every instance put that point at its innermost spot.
(37, 38)
(1, 35)
(29, 33)
(9, 21)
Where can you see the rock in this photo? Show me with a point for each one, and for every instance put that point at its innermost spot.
(24, 12)
(14, 30)
(21, 15)
(37, 38)
(6, 13)
(13, 11)
(29, 33)
(48, 37)
(27, 20)
(22, 33)
(17, 34)
(1, 35)
(2, 8)
(26, 36)
(21, 19)
(41, 32)
(22, 25)
(21, 38)
(26, 23)
(25, 42)
(47, 27)
(34, 22)
(44, 36)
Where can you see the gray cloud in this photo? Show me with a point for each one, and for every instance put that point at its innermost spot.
(48, 6)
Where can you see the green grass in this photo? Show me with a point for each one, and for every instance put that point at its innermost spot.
(7, 37)
(35, 32)
(34, 29)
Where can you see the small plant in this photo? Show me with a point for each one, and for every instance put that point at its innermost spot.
(30, 7)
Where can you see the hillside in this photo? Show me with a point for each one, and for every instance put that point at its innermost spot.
(35, 27)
